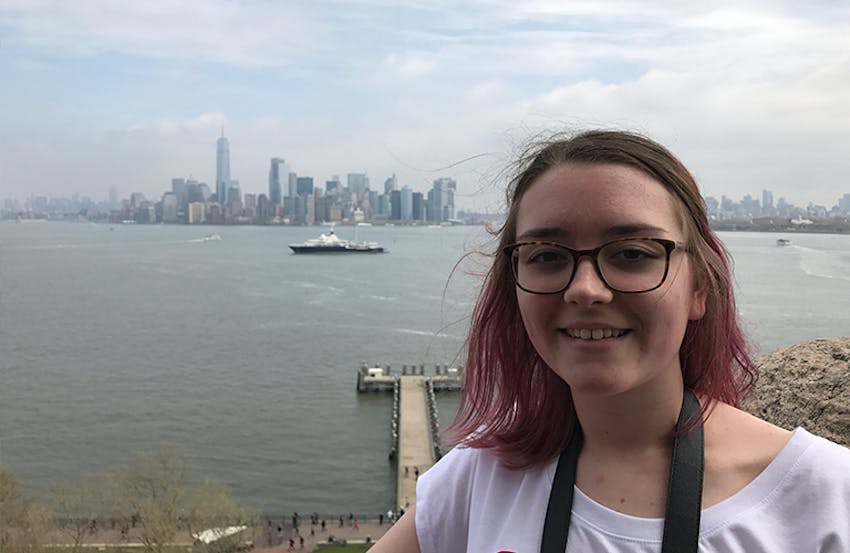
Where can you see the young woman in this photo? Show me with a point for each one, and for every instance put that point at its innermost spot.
(605, 371)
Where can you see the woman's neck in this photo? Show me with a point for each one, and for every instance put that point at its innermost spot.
(624, 463)
(640, 420)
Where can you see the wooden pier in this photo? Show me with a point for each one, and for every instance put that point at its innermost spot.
(415, 440)
(414, 424)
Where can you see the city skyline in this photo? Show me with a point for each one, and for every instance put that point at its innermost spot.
(750, 95)
(281, 172)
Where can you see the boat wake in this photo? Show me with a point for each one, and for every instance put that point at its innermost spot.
(824, 264)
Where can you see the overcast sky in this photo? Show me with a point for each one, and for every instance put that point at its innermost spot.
(93, 93)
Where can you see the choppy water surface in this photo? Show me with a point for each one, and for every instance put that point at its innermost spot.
(113, 341)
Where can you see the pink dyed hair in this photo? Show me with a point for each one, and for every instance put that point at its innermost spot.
(512, 402)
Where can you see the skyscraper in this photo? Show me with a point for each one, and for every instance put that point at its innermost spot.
(357, 184)
(222, 168)
(278, 168)
(441, 200)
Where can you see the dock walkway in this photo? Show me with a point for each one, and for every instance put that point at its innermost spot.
(414, 425)
(415, 448)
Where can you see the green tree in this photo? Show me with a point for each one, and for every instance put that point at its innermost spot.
(34, 528)
(153, 493)
(11, 506)
(24, 525)
(77, 504)
(210, 507)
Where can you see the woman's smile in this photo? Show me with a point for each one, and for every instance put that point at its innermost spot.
(594, 334)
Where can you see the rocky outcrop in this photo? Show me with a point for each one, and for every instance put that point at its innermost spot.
(806, 385)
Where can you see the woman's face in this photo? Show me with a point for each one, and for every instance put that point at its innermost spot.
(584, 206)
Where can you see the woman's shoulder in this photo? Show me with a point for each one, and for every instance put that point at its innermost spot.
(464, 462)
(470, 492)
(739, 447)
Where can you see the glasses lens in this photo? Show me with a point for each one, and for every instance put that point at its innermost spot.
(633, 265)
(542, 268)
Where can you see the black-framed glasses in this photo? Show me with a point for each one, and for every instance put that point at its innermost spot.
(627, 265)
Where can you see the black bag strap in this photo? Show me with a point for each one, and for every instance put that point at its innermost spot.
(684, 494)
(558, 513)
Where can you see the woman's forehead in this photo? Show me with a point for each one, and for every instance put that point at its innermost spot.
(603, 199)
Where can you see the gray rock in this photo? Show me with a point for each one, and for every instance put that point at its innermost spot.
(806, 385)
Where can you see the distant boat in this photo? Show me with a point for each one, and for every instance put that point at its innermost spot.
(331, 243)
(783, 242)
(211, 237)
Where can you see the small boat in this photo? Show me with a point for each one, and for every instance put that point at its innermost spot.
(211, 237)
(783, 242)
(331, 243)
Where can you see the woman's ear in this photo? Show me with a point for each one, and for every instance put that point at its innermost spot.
(697, 310)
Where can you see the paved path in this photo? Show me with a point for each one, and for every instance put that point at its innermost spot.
(415, 450)
(280, 542)
(269, 539)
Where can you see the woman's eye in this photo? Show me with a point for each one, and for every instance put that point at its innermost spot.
(546, 256)
(634, 254)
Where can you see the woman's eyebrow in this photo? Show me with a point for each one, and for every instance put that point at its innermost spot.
(542, 233)
(626, 229)
(631, 229)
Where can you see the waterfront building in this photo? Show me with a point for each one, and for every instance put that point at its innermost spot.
(333, 186)
(418, 201)
(145, 213)
(441, 200)
(204, 189)
(395, 205)
(320, 205)
(234, 200)
(357, 185)
(222, 168)
(844, 204)
(384, 208)
(292, 190)
(195, 213)
(406, 203)
(264, 208)
(372, 205)
(179, 189)
(288, 207)
(767, 208)
(194, 193)
(170, 206)
(310, 214)
(390, 184)
(304, 186)
(278, 168)
(136, 200)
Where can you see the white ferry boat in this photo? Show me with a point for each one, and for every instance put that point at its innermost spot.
(331, 243)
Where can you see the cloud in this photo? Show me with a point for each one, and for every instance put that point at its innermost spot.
(249, 34)
(210, 121)
(409, 64)
(751, 93)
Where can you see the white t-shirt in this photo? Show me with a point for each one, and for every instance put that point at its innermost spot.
(469, 502)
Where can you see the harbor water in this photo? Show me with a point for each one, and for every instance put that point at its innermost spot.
(115, 339)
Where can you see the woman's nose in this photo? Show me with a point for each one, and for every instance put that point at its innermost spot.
(587, 286)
